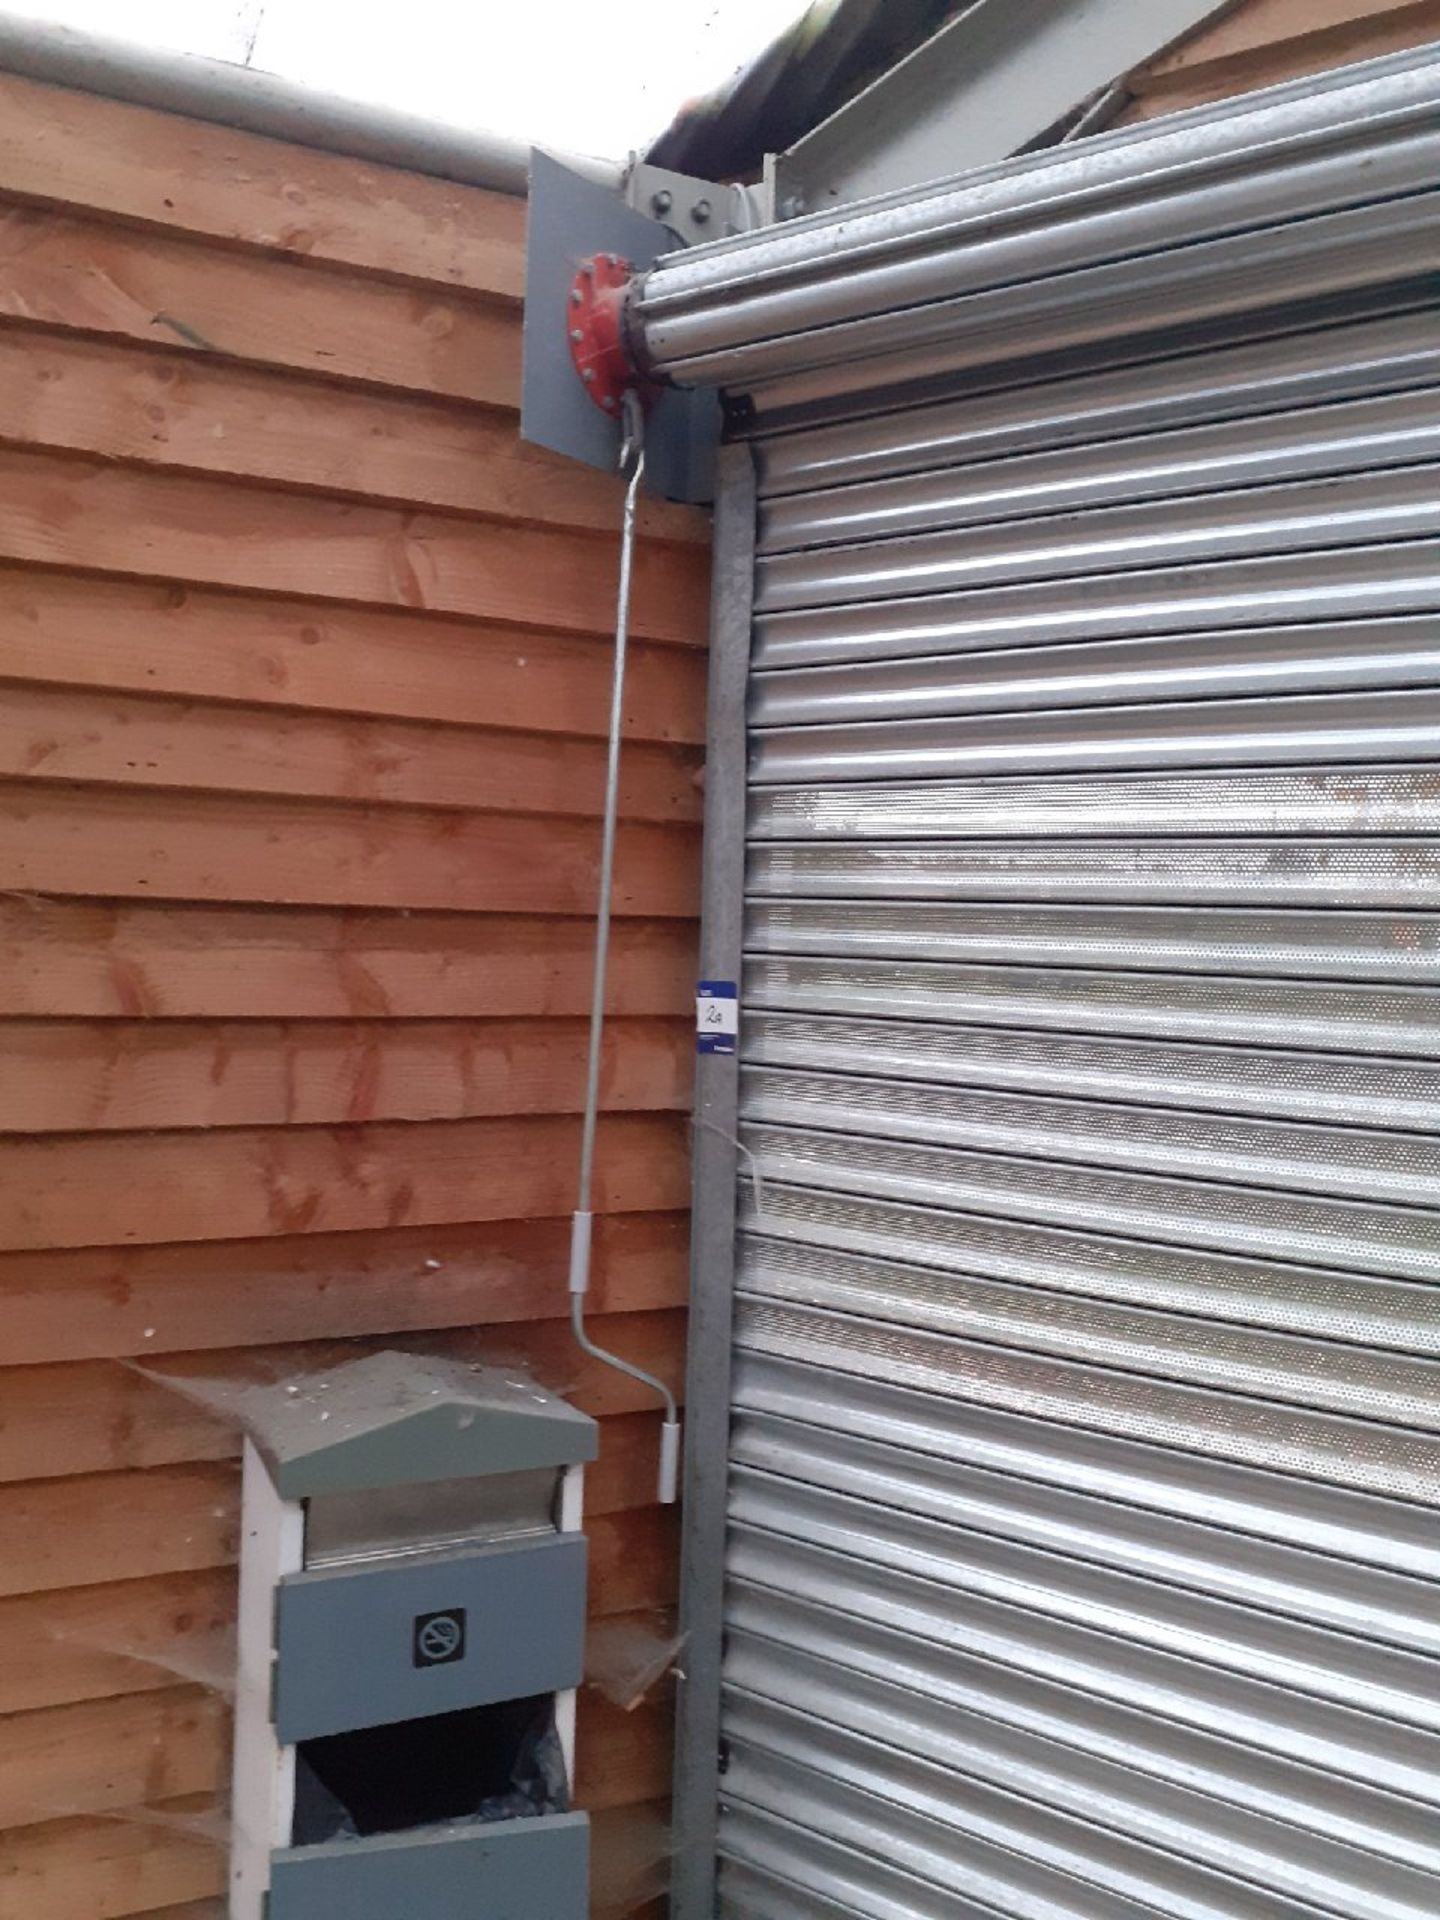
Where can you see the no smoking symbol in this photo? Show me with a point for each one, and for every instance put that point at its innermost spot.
(439, 1638)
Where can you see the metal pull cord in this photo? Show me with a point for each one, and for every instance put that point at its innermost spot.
(632, 466)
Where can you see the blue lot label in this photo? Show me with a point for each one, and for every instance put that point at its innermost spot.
(717, 1016)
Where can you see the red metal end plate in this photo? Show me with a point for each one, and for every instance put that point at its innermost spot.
(594, 323)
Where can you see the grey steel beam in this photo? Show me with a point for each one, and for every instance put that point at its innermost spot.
(716, 1154)
(991, 81)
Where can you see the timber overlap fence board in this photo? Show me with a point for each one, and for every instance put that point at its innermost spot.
(56, 510)
(74, 957)
(105, 1302)
(158, 406)
(54, 734)
(214, 644)
(127, 1636)
(1244, 30)
(90, 1529)
(99, 1756)
(1262, 43)
(622, 1757)
(128, 842)
(75, 1076)
(304, 679)
(106, 1869)
(113, 158)
(100, 1189)
(126, 283)
(631, 1849)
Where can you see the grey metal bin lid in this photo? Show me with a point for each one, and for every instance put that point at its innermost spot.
(395, 1419)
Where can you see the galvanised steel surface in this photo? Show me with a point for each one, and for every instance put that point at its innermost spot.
(1391, 430)
(773, 1629)
(1362, 508)
(1196, 1483)
(1271, 1081)
(1266, 1152)
(1337, 656)
(934, 373)
(1361, 802)
(1078, 1004)
(1286, 1367)
(1166, 183)
(1389, 354)
(1083, 1407)
(1196, 598)
(1385, 947)
(1279, 872)
(805, 1244)
(1372, 1458)
(1394, 242)
(1301, 1587)
(1185, 1212)
(1278, 729)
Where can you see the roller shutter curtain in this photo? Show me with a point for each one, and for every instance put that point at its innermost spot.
(1084, 1472)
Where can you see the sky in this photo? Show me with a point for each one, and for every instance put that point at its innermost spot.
(561, 73)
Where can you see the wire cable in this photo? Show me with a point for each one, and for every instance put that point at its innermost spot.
(632, 466)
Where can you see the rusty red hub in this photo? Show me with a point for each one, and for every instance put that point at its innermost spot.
(595, 323)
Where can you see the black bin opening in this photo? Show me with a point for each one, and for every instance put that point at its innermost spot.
(498, 1762)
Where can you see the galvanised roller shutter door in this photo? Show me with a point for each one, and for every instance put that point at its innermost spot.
(1084, 1470)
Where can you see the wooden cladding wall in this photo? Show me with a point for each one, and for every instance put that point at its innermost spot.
(1260, 43)
(305, 663)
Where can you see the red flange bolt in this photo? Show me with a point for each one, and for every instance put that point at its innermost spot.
(595, 322)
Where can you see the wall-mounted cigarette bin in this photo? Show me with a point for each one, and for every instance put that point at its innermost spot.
(412, 1623)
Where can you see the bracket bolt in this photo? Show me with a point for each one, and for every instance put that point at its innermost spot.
(662, 201)
(588, 376)
(701, 212)
(577, 335)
